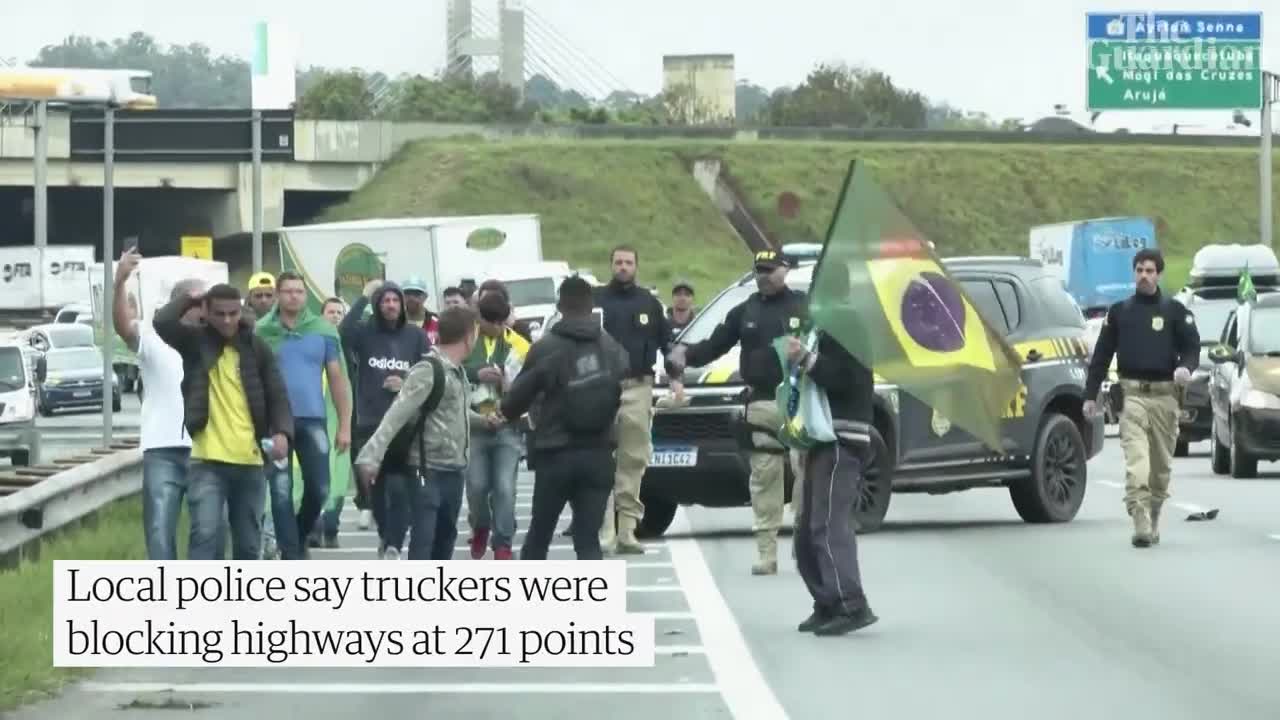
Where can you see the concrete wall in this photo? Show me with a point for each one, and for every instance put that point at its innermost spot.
(711, 78)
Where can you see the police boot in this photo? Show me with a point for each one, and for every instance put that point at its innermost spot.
(1141, 526)
(1155, 521)
(767, 549)
(627, 543)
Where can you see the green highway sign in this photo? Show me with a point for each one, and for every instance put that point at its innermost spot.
(1174, 61)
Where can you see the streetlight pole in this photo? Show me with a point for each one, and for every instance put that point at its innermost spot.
(41, 184)
(1264, 164)
(257, 191)
(108, 270)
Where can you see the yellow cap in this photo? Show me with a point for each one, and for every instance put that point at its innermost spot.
(262, 279)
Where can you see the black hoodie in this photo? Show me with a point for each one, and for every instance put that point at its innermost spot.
(534, 390)
(379, 349)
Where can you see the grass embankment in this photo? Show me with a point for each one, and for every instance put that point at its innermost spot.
(968, 198)
(26, 592)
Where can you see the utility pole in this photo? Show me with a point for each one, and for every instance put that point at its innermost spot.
(108, 266)
(41, 184)
(1264, 167)
(258, 220)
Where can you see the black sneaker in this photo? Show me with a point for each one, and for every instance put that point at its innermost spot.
(846, 623)
(814, 621)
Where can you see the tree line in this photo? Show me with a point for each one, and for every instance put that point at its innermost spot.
(832, 95)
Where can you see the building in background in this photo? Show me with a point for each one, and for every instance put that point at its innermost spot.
(700, 89)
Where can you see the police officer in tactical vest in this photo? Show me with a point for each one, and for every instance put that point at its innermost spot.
(1157, 346)
(772, 311)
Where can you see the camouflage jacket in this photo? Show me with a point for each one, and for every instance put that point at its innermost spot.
(447, 431)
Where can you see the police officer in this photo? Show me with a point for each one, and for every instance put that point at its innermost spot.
(772, 311)
(633, 316)
(1157, 345)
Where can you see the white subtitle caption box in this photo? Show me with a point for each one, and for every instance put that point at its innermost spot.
(138, 613)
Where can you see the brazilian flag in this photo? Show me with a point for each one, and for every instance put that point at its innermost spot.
(1245, 292)
(879, 290)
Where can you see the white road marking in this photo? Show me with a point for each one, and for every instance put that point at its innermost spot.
(743, 686)
(1274, 537)
(309, 688)
(1111, 483)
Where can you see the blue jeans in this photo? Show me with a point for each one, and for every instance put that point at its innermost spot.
(235, 492)
(491, 483)
(436, 502)
(311, 443)
(164, 485)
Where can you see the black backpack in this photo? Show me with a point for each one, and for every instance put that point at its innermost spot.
(398, 449)
(592, 391)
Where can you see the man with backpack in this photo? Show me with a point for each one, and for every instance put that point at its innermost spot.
(431, 417)
(571, 385)
(385, 346)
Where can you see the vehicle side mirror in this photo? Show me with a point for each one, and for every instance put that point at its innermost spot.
(1221, 353)
(42, 368)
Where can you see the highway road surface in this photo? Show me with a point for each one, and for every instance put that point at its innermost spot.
(982, 616)
(72, 431)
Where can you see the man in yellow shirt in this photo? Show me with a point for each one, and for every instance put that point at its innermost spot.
(495, 451)
(235, 401)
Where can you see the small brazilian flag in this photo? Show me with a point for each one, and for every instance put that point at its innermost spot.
(1245, 292)
(879, 290)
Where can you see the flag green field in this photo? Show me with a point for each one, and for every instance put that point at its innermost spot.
(881, 292)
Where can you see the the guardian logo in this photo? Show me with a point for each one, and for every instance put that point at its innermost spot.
(388, 364)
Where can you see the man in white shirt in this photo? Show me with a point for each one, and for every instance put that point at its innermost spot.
(166, 446)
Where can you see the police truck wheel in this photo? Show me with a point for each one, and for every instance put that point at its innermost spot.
(872, 503)
(658, 515)
(1055, 490)
(1219, 454)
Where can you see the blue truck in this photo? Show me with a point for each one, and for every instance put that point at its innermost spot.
(1094, 258)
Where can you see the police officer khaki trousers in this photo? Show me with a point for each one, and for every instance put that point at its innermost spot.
(1148, 433)
(623, 511)
(767, 484)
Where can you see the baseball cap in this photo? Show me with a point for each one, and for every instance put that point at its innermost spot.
(770, 260)
(415, 283)
(682, 284)
(261, 280)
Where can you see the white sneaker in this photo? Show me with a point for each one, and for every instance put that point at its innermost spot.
(391, 554)
(366, 519)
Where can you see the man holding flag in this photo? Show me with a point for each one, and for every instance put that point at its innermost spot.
(308, 352)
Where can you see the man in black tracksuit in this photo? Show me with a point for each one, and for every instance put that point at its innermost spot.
(385, 346)
(571, 386)
(826, 545)
(771, 312)
(634, 317)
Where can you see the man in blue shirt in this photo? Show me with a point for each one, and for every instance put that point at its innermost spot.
(308, 353)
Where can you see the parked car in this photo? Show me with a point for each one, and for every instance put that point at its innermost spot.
(73, 378)
(1245, 389)
(697, 459)
(50, 336)
(19, 440)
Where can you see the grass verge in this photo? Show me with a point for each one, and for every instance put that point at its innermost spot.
(26, 598)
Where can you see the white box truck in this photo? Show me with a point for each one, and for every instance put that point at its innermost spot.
(35, 279)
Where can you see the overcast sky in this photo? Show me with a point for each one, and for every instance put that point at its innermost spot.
(1009, 58)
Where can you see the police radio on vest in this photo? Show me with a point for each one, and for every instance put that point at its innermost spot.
(388, 364)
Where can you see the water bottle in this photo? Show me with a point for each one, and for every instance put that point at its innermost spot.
(268, 445)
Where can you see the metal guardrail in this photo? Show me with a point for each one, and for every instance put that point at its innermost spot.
(45, 498)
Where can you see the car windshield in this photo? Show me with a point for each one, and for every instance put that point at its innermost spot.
(1264, 331)
(1211, 317)
(532, 291)
(12, 373)
(714, 314)
(62, 361)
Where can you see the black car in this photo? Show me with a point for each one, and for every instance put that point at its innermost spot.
(71, 378)
(1048, 440)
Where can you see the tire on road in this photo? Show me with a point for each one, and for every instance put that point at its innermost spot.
(20, 458)
(1219, 454)
(1243, 465)
(1059, 474)
(658, 514)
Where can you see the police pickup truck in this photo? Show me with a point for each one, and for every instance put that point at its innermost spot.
(697, 459)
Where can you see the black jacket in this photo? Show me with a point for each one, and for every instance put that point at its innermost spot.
(1150, 336)
(755, 324)
(379, 349)
(850, 385)
(636, 320)
(534, 390)
(200, 348)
